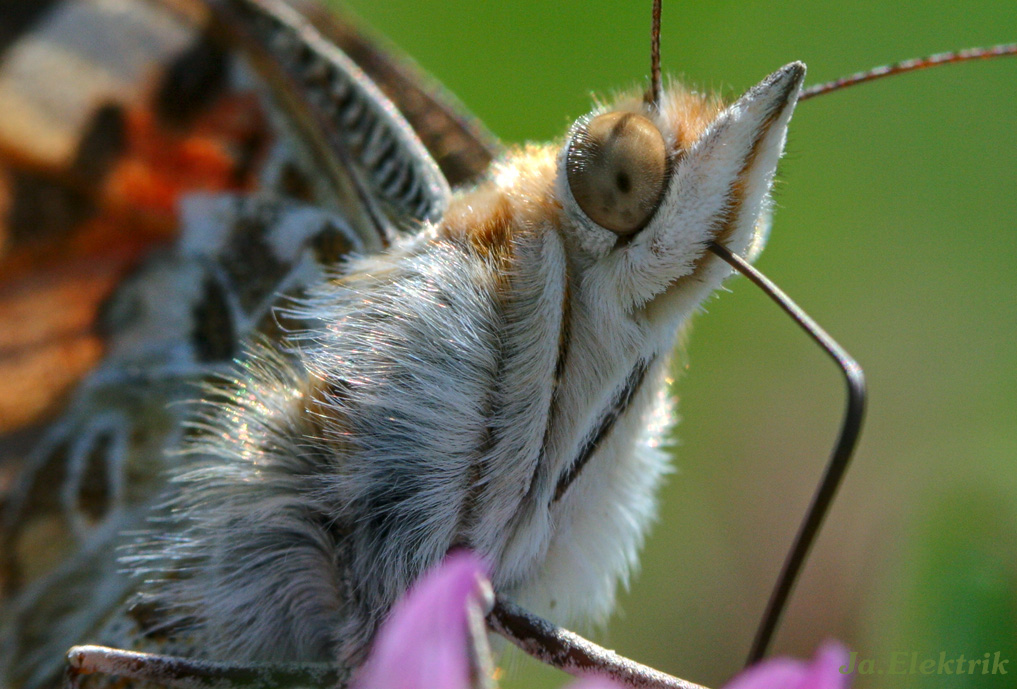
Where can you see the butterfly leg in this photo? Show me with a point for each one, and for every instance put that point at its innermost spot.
(571, 653)
(185, 673)
(537, 637)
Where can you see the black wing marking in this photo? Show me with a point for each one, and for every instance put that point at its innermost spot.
(458, 141)
(379, 167)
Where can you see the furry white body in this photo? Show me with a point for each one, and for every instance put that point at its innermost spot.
(494, 382)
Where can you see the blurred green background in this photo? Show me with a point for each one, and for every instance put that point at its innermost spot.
(896, 228)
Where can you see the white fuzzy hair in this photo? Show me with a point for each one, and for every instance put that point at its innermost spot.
(432, 407)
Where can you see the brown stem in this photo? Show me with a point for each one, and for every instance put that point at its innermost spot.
(573, 654)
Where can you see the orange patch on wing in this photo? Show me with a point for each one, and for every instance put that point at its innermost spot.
(47, 342)
(51, 291)
(161, 165)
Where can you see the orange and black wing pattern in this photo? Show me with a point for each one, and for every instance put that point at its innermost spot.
(109, 113)
(160, 193)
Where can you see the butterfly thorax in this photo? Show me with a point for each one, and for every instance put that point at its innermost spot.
(493, 379)
(483, 383)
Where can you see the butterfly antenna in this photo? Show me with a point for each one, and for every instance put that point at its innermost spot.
(913, 65)
(652, 96)
(839, 460)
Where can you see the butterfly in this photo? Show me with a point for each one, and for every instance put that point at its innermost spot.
(634, 72)
(868, 230)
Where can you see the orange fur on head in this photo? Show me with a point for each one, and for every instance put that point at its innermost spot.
(520, 191)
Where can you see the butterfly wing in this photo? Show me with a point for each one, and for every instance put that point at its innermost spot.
(459, 143)
(199, 206)
(91, 165)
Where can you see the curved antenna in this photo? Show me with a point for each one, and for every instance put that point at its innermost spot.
(652, 96)
(839, 460)
(913, 65)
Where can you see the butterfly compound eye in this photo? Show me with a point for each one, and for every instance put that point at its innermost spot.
(616, 167)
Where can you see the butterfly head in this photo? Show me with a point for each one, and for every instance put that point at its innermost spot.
(644, 188)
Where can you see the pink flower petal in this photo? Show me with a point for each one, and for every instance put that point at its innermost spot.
(824, 672)
(424, 643)
(783, 673)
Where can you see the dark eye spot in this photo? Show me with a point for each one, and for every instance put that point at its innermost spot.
(617, 169)
(623, 182)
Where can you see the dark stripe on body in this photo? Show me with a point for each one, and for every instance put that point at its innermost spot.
(564, 341)
(618, 407)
